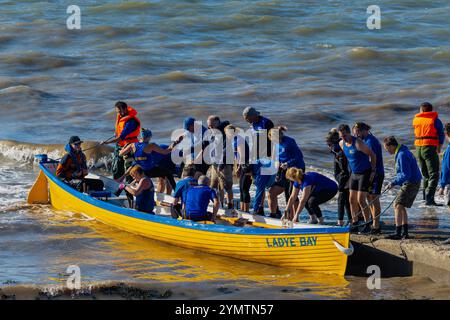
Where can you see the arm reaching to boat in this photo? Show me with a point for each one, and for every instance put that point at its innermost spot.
(305, 196)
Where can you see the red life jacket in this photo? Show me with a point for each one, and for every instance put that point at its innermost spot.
(120, 124)
(424, 129)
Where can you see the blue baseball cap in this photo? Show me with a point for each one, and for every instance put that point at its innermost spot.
(145, 133)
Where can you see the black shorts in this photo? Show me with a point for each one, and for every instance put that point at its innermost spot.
(377, 184)
(360, 181)
(280, 179)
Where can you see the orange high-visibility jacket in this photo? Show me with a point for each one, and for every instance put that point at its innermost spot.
(424, 129)
(120, 124)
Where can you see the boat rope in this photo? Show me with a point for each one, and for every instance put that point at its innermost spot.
(382, 212)
(371, 202)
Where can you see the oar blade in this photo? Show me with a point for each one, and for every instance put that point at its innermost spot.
(38, 193)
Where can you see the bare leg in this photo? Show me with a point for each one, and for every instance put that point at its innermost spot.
(274, 192)
(362, 201)
(354, 205)
(375, 209)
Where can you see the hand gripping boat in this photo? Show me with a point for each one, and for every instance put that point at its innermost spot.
(310, 248)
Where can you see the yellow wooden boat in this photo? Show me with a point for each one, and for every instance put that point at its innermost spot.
(310, 248)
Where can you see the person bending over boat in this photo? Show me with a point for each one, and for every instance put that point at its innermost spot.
(445, 174)
(143, 156)
(244, 169)
(72, 168)
(363, 164)
(127, 130)
(408, 176)
(262, 183)
(289, 155)
(142, 189)
(197, 200)
(316, 190)
(362, 131)
(342, 176)
(188, 180)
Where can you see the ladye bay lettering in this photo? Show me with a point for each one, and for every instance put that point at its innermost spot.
(283, 242)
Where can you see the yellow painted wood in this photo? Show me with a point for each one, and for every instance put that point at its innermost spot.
(323, 257)
(38, 193)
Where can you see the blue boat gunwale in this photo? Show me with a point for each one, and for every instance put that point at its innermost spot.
(188, 224)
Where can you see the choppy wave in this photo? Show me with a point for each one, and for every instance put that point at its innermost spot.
(123, 7)
(24, 90)
(25, 152)
(36, 61)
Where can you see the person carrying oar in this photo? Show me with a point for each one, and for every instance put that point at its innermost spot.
(127, 129)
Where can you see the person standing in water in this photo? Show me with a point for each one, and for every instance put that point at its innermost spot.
(142, 189)
(362, 131)
(408, 176)
(244, 168)
(429, 137)
(127, 129)
(362, 161)
(445, 174)
(342, 176)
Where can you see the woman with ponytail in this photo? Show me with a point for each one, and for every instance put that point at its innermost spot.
(316, 190)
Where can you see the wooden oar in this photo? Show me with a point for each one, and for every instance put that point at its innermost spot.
(38, 193)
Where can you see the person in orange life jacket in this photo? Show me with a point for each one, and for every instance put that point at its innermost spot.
(363, 164)
(445, 174)
(429, 137)
(197, 200)
(408, 177)
(289, 155)
(142, 151)
(127, 130)
(142, 189)
(316, 190)
(73, 168)
(362, 131)
(342, 176)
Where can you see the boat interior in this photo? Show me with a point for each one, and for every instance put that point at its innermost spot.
(164, 203)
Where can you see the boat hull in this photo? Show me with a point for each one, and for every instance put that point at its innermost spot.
(311, 250)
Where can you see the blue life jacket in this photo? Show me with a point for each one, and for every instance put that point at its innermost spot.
(145, 201)
(142, 158)
(359, 162)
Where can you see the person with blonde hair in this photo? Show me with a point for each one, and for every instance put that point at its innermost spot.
(142, 189)
(316, 190)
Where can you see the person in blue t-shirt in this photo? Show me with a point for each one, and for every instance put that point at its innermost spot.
(197, 200)
(362, 131)
(316, 190)
(444, 182)
(289, 155)
(188, 180)
(263, 179)
(363, 164)
(408, 177)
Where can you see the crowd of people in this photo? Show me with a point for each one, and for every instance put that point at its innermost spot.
(358, 169)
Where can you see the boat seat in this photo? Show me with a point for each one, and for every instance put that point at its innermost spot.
(100, 194)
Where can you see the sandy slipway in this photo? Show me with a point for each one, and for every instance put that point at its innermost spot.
(425, 256)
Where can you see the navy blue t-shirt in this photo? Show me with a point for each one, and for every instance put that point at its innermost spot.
(197, 200)
(316, 180)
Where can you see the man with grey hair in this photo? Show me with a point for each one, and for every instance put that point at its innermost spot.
(197, 200)
(258, 123)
